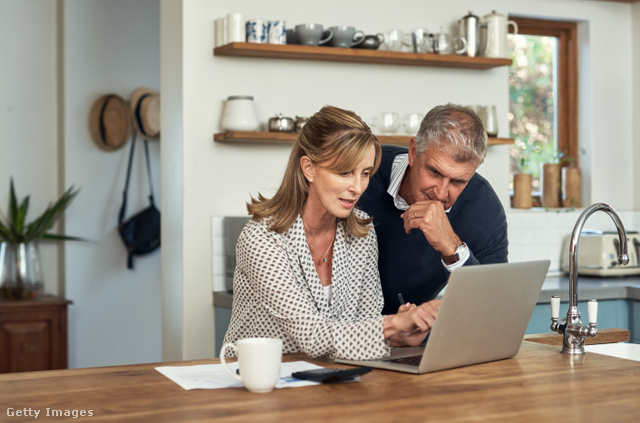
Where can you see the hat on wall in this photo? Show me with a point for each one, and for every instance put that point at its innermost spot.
(110, 122)
(145, 109)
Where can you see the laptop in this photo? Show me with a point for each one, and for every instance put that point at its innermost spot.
(483, 317)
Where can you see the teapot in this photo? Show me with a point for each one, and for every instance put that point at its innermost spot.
(372, 42)
(497, 27)
(280, 123)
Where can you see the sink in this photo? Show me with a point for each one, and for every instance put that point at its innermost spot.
(619, 349)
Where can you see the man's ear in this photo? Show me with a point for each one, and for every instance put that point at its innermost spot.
(413, 150)
(308, 168)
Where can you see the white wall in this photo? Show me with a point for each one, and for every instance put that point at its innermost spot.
(108, 47)
(636, 103)
(28, 112)
(57, 59)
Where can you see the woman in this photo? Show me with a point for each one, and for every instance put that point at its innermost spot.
(306, 263)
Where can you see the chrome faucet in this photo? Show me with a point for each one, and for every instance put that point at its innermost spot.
(572, 329)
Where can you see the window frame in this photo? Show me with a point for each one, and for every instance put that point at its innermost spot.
(566, 33)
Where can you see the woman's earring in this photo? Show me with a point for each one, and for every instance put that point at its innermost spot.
(311, 180)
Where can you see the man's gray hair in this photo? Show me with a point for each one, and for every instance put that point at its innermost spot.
(456, 130)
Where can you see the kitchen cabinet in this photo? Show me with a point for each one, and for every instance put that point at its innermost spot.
(635, 322)
(289, 138)
(33, 334)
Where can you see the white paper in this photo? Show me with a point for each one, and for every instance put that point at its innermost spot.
(214, 376)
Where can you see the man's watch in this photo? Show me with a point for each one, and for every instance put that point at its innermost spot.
(459, 254)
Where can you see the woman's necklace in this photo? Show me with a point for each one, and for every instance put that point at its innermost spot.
(324, 256)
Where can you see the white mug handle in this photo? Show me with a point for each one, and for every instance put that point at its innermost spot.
(514, 25)
(224, 363)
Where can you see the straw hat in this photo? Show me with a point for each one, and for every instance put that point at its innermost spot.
(110, 122)
(145, 109)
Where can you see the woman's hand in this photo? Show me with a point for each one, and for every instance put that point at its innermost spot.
(411, 324)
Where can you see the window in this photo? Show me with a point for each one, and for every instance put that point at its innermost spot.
(543, 97)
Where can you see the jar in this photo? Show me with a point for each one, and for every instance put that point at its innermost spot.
(240, 114)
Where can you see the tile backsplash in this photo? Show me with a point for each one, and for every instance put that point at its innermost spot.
(534, 234)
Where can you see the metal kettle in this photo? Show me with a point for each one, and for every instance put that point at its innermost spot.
(469, 27)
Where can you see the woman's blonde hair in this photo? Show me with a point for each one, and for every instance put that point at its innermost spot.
(335, 137)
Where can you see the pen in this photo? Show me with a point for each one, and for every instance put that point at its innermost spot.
(401, 299)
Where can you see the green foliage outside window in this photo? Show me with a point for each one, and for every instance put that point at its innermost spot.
(532, 103)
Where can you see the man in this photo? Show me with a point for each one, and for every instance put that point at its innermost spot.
(431, 210)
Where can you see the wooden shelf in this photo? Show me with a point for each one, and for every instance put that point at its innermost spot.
(289, 138)
(355, 55)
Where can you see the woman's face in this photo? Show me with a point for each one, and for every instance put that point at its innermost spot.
(337, 193)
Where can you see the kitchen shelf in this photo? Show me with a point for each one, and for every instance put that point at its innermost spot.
(355, 55)
(289, 138)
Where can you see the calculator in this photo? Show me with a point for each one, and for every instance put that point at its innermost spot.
(329, 375)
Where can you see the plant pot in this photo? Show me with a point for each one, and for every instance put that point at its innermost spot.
(550, 183)
(20, 274)
(571, 187)
(522, 191)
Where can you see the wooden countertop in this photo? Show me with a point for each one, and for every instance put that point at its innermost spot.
(539, 384)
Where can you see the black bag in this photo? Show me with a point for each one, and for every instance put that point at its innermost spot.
(141, 232)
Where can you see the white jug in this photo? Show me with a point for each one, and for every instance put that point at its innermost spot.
(497, 28)
(240, 114)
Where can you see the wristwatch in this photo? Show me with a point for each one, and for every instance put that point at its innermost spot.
(460, 252)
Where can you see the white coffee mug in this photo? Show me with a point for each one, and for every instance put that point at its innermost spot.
(221, 31)
(258, 362)
(236, 30)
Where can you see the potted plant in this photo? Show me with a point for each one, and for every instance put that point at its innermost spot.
(550, 182)
(571, 182)
(522, 178)
(20, 274)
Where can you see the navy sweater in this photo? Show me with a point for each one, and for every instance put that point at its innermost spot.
(408, 263)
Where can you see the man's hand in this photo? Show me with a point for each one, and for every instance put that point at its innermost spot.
(412, 323)
(430, 217)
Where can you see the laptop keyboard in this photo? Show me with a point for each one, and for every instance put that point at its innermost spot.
(413, 360)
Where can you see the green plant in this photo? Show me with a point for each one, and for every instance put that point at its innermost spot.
(13, 228)
(528, 153)
(564, 157)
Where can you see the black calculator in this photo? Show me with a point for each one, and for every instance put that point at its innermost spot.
(329, 375)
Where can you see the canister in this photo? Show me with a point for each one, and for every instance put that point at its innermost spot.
(240, 114)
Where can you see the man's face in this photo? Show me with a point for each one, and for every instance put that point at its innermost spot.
(436, 176)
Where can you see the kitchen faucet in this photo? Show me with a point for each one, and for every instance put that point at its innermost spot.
(572, 329)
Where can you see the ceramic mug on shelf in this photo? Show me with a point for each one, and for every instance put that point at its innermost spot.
(256, 31)
(236, 29)
(346, 36)
(259, 362)
(313, 34)
(276, 32)
(220, 26)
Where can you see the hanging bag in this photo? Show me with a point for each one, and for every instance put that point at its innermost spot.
(141, 232)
